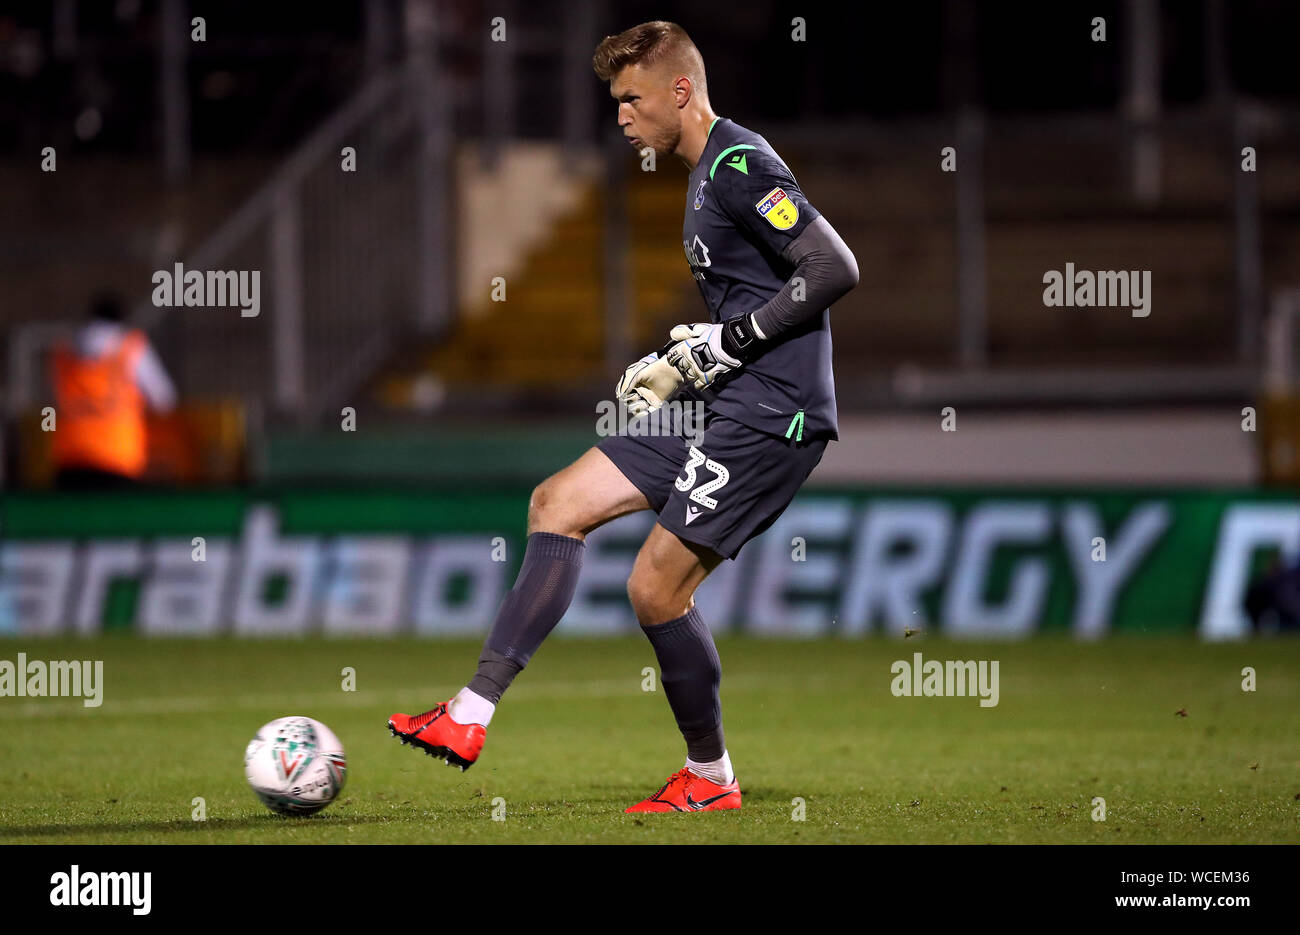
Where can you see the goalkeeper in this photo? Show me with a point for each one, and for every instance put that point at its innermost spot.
(768, 266)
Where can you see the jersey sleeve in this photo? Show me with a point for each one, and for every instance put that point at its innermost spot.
(759, 194)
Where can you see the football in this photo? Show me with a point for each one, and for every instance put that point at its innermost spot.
(295, 765)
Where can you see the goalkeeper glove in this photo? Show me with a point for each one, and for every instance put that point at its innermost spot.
(648, 383)
(705, 353)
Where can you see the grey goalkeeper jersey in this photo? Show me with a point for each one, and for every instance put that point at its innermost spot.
(743, 207)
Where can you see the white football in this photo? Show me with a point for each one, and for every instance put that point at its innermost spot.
(295, 765)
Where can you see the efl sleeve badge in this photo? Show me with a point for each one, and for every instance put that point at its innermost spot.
(779, 209)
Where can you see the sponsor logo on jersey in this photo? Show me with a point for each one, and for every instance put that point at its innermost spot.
(699, 194)
(779, 209)
(697, 255)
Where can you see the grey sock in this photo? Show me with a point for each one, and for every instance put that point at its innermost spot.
(542, 593)
(691, 673)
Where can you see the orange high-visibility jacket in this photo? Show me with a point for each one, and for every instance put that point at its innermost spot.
(100, 410)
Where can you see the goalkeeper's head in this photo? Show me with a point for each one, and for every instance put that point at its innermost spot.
(656, 74)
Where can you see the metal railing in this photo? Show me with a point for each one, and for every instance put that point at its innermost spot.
(1280, 331)
(967, 207)
(352, 262)
(348, 260)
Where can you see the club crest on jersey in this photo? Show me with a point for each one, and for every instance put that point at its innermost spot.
(779, 209)
(699, 194)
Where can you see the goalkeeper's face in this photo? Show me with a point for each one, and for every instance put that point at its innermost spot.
(649, 113)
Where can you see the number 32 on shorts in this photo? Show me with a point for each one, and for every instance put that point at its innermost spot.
(701, 493)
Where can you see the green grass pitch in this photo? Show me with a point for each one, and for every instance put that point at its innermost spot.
(577, 740)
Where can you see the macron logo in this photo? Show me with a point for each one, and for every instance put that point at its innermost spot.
(102, 889)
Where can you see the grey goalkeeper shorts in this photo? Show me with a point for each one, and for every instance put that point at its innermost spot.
(720, 488)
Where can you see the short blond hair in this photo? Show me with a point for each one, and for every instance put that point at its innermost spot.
(651, 44)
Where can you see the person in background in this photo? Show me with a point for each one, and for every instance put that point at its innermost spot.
(104, 378)
(1273, 601)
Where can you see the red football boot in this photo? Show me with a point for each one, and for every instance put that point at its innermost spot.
(438, 735)
(686, 792)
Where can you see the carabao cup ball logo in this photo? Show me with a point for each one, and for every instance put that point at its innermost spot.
(295, 765)
(293, 749)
